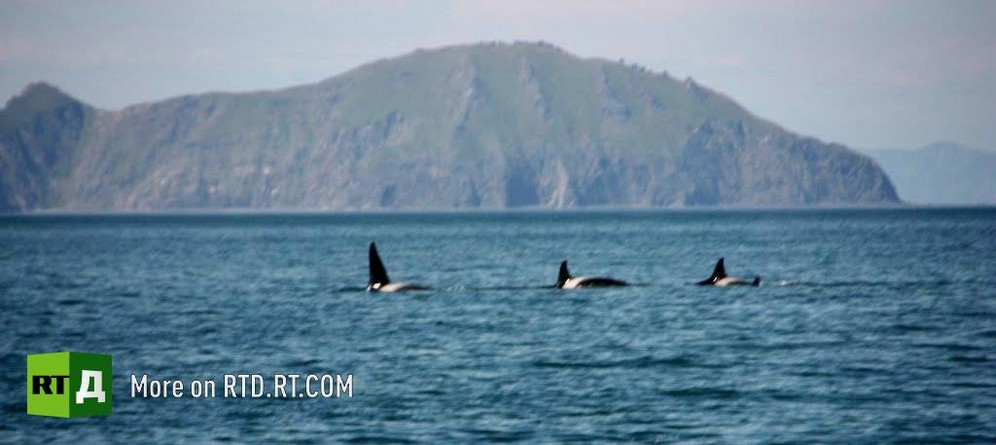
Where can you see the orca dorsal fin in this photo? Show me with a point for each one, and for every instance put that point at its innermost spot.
(718, 273)
(378, 274)
(564, 274)
(757, 281)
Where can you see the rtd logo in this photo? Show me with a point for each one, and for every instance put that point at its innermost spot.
(53, 377)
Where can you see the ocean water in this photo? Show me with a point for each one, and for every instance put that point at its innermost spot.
(870, 326)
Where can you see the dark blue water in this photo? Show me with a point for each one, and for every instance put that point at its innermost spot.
(870, 326)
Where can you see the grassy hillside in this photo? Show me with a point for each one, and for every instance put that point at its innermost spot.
(490, 125)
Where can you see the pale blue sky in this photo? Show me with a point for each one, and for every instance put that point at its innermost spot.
(870, 74)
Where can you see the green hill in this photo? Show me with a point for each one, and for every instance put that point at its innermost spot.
(489, 126)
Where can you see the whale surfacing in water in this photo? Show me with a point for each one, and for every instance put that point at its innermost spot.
(719, 278)
(566, 281)
(379, 281)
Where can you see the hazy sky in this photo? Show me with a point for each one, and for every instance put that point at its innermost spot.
(870, 74)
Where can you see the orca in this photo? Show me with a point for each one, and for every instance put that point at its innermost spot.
(566, 281)
(719, 278)
(379, 282)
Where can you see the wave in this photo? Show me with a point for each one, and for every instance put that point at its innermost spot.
(703, 393)
(680, 361)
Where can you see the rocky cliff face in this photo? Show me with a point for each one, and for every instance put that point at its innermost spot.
(489, 126)
(41, 132)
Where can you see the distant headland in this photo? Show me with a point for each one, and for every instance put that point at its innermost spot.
(477, 126)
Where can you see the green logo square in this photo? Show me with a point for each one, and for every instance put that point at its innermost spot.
(69, 384)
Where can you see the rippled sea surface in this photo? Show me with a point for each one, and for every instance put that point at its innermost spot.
(870, 326)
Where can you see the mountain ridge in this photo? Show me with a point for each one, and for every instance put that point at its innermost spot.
(471, 126)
